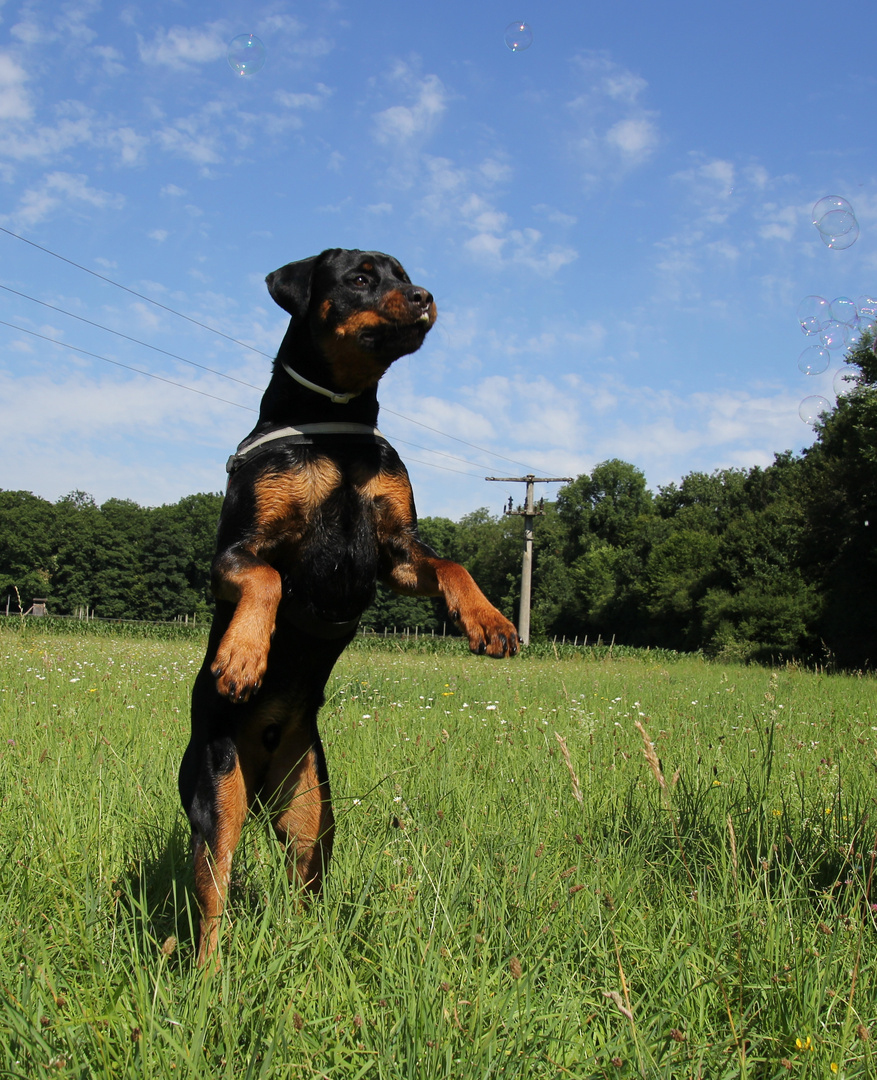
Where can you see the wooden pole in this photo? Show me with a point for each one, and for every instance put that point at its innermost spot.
(528, 513)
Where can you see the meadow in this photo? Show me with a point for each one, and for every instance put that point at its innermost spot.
(579, 863)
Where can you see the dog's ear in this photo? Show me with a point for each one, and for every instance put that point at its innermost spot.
(290, 286)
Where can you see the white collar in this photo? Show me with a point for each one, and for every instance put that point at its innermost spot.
(338, 399)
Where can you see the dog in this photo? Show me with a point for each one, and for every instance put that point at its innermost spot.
(318, 509)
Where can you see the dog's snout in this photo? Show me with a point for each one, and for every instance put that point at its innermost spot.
(416, 295)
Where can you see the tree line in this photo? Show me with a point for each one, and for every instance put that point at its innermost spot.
(779, 562)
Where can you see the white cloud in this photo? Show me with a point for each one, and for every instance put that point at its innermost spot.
(186, 138)
(61, 189)
(568, 425)
(159, 424)
(615, 131)
(518, 247)
(14, 102)
(621, 85)
(129, 144)
(400, 124)
(71, 22)
(182, 47)
(454, 196)
(29, 32)
(22, 142)
(304, 100)
(485, 248)
(635, 138)
(112, 59)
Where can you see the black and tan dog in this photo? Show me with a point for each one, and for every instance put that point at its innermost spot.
(318, 509)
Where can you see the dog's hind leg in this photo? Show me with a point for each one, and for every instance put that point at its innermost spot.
(215, 798)
(296, 790)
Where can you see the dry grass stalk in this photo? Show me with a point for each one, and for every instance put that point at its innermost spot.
(651, 756)
(618, 1001)
(733, 837)
(576, 790)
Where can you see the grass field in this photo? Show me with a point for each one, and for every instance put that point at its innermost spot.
(689, 899)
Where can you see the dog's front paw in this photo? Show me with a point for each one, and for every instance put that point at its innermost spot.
(238, 669)
(490, 633)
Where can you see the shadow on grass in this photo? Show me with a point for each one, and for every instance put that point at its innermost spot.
(157, 889)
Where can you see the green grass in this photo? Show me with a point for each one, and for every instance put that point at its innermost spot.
(479, 920)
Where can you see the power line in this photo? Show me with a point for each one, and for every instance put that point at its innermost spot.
(127, 337)
(441, 453)
(133, 292)
(202, 367)
(211, 329)
(214, 397)
(444, 468)
(128, 367)
(438, 431)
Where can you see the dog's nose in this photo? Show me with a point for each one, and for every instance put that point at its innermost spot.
(418, 296)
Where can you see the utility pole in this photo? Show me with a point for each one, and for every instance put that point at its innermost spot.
(528, 512)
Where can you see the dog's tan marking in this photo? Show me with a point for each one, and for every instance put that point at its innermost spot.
(301, 809)
(416, 571)
(359, 320)
(353, 370)
(395, 305)
(213, 865)
(242, 657)
(282, 498)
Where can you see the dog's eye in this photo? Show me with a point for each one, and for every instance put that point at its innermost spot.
(360, 281)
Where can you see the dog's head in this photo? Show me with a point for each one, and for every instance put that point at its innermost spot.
(360, 308)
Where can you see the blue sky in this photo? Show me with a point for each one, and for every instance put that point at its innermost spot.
(615, 224)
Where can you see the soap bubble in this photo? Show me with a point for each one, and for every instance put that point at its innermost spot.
(867, 307)
(831, 204)
(246, 54)
(813, 313)
(843, 310)
(811, 407)
(814, 360)
(518, 36)
(852, 333)
(836, 221)
(832, 335)
(840, 234)
(843, 381)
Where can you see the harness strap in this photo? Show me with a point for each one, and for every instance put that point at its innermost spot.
(304, 434)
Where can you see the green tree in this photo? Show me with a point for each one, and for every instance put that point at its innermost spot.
(196, 518)
(118, 587)
(165, 562)
(608, 520)
(840, 553)
(26, 548)
(678, 572)
(606, 504)
(76, 539)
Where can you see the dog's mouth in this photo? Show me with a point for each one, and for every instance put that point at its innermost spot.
(408, 307)
(398, 325)
(363, 346)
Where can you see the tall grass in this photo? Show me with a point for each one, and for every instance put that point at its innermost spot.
(690, 897)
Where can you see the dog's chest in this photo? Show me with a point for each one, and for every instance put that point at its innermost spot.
(319, 511)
